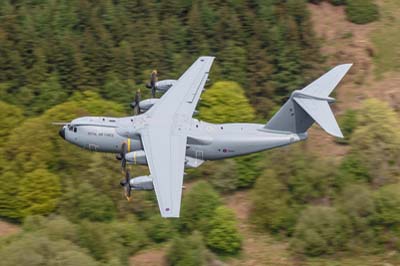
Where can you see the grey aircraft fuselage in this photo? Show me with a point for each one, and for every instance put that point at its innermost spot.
(206, 141)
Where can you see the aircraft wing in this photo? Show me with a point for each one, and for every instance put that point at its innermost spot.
(165, 134)
(185, 94)
(166, 158)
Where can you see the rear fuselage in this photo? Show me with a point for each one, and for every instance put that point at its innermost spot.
(206, 141)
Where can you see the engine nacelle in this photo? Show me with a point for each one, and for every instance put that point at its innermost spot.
(163, 85)
(145, 105)
(141, 183)
(139, 157)
(136, 157)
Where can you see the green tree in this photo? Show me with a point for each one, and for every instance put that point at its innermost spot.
(387, 201)
(357, 203)
(195, 31)
(90, 41)
(159, 229)
(361, 11)
(223, 236)
(49, 93)
(187, 251)
(36, 153)
(198, 207)
(386, 220)
(40, 250)
(376, 140)
(337, 2)
(306, 176)
(10, 117)
(222, 175)
(271, 204)
(295, 178)
(248, 169)
(84, 202)
(126, 233)
(320, 230)
(54, 227)
(118, 90)
(234, 58)
(39, 192)
(348, 123)
(225, 102)
(101, 242)
(9, 202)
(352, 169)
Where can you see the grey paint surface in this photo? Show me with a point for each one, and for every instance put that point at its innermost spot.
(168, 139)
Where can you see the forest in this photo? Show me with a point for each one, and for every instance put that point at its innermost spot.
(63, 59)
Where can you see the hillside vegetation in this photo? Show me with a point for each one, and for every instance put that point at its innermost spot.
(52, 48)
(290, 206)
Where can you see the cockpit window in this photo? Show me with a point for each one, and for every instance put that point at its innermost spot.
(75, 129)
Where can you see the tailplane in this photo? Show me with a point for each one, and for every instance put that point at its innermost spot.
(310, 105)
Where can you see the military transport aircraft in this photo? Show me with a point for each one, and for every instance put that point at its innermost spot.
(167, 139)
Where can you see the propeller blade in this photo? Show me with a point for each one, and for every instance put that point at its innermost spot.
(138, 98)
(153, 82)
(128, 189)
(125, 183)
(123, 158)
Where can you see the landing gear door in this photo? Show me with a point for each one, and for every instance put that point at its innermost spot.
(199, 156)
(93, 147)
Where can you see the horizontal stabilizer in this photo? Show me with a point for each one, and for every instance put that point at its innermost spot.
(321, 113)
(310, 105)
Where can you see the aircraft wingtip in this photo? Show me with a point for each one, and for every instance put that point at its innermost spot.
(348, 66)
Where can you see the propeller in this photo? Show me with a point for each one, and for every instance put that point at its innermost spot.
(136, 103)
(122, 155)
(125, 171)
(126, 184)
(152, 84)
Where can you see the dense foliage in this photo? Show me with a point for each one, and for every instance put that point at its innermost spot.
(327, 208)
(223, 236)
(357, 11)
(52, 48)
(224, 102)
(362, 11)
(187, 251)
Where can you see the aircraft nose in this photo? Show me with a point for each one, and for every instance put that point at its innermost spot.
(62, 132)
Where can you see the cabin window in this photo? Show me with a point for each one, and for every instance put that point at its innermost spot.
(75, 129)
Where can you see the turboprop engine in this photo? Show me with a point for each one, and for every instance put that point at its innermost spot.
(145, 105)
(163, 85)
(139, 157)
(141, 183)
(136, 157)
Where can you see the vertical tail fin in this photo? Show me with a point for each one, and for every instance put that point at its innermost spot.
(310, 105)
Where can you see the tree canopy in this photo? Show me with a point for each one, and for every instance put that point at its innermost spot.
(52, 48)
